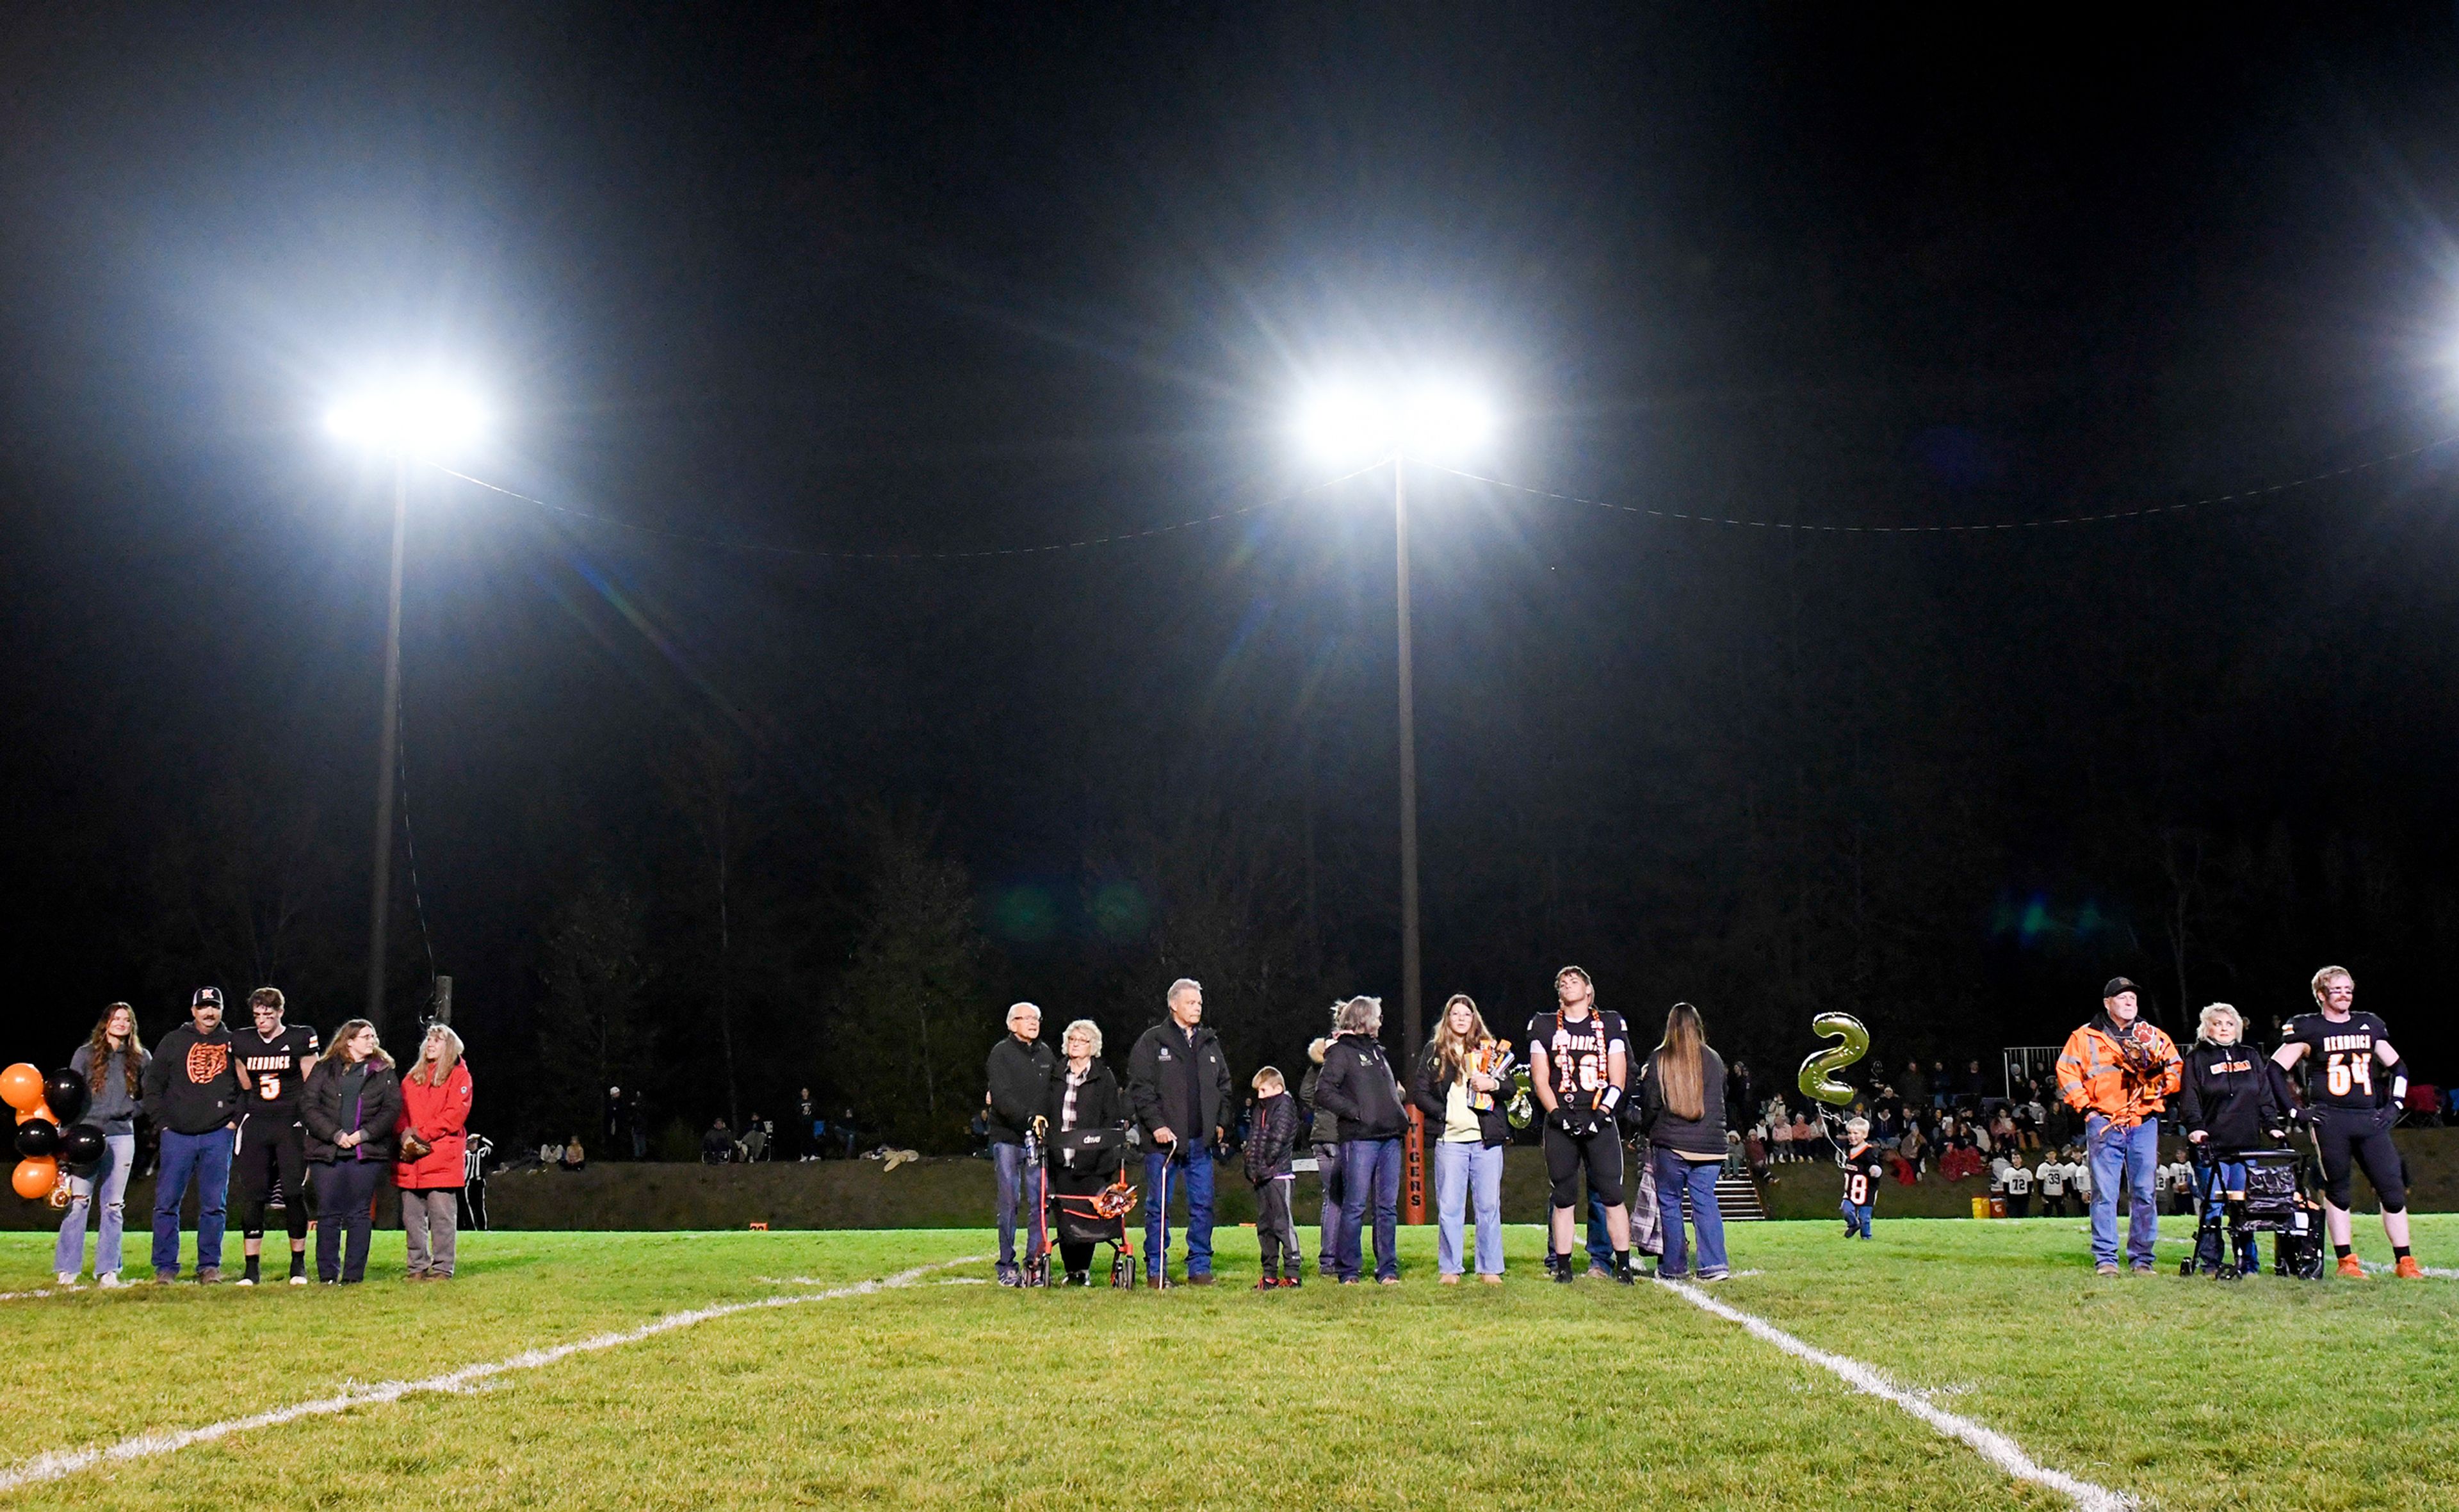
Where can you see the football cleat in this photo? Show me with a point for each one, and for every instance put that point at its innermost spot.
(2409, 1270)
(2352, 1267)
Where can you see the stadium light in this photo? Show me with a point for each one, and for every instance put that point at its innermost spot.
(1444, 420)
(1437, 421)
(419, 418)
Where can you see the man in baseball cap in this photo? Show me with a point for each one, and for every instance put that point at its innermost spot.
(192, 1087)
(2120, 1072)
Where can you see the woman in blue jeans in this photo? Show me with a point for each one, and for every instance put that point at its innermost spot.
(1460, 1088)
(113, 1065)
(1357, 1087)
(1682, 1102)
(351, 1105)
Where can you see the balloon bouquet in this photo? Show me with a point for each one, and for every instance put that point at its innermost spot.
(51, 1147)
(1818, 1081)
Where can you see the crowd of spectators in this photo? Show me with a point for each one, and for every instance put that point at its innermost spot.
(1936, 1123)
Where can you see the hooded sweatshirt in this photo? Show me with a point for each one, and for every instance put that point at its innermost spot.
(192, 1082)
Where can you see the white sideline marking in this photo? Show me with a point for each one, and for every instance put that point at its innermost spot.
(2438, 1272)
(1992, 1445)
(17, 1296)
(61, 1463)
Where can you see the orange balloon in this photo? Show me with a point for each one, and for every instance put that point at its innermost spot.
(35, 1178)
(40, 1110)
(21, 1086)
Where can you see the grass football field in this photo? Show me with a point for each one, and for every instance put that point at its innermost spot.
(940, 1390)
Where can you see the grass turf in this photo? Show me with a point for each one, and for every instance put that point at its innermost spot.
(2183, 1393)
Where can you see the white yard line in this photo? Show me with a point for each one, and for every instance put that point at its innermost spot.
(19, 1296)
(2438, 1272)
(61, 1463)
(1992, 1445)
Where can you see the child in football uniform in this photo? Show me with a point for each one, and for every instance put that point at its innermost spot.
(2052, 1179)
(1864, 1167)
(2019, 1191)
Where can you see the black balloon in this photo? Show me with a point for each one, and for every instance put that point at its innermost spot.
(81, 1148)
(65, 1091)
(37, 1138)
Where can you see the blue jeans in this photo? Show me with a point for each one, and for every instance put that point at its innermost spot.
(1466, 1170)
(2134, 1153)
(1008, 1161)
(1600, 1237)
(107, 1183)
(345, 1191)
(1857, 1219)
(1674, 1176)
(2214, 1183)
(1370, 1169)
(206, 1158)
(1192, 1174)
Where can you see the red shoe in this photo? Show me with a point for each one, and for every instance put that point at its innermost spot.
(2410, 1270)
(2352, 1267)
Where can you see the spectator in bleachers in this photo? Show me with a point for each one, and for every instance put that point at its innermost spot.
(573, 1157)
(1779, 1127)
(1914, 1084)
(716, 1145)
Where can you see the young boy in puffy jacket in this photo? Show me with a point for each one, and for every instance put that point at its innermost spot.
(1272, 1137)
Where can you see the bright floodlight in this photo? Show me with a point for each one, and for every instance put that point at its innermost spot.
(1435, 421)
(416, 419)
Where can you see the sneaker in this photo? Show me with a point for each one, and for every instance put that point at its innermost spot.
(247, 1280)
(1010, 1277)
(1563, 1274)
(1268, 1284)
(298, 1278)
(1627, 1278)
(1290, 1282)
(2409, 1270)
(1448, 1278)
(1598, 1272)
(2105, 1268)
(1388, 1280)
(2352, 1267)
(68, 1280)
(2142, 1267)
(1715, 1275)
(209, 1276)
(109, 1278)
(1489, 1278)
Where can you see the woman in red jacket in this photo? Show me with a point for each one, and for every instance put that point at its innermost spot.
(434, 1112)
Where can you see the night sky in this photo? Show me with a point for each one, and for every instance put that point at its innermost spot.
(769, 287)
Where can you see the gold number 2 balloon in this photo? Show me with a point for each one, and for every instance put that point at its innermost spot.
(1816, 1072)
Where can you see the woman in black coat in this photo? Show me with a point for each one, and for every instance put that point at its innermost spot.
(1086, 1148)
(350, 1103)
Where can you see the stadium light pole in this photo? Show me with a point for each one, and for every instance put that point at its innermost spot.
(400, 423)
(1344, 423)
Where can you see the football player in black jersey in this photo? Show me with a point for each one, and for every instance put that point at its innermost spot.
(2354, 1085)
(1578, 1060)
(276, 1057)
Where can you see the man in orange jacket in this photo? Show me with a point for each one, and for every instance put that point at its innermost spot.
(2118, 1072)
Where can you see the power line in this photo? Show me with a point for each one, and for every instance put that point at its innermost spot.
(2241, 496)
(768, 548)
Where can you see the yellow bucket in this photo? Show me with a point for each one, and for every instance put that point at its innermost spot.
(1979, 1207)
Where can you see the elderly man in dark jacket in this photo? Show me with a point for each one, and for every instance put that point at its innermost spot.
(1019, 1071)
(1178, 1083)
(1357, 1086)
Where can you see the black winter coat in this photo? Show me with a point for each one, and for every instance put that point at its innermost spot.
(1432, 1092)
(1272, 1138)
(1325, 1128)
(1098, 1105)
(2234, 1094)
(330, 1107)
(1704, 1135)
(1019, 1077)
(1157, 1081)
(1359, 1087)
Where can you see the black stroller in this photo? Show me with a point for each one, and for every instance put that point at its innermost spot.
(2279, 1200)
(1080, 1207)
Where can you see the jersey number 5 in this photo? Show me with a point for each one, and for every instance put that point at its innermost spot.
(268, 1087)
(2343, 1071)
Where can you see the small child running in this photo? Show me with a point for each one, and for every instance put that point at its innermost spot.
(1864, 1167)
